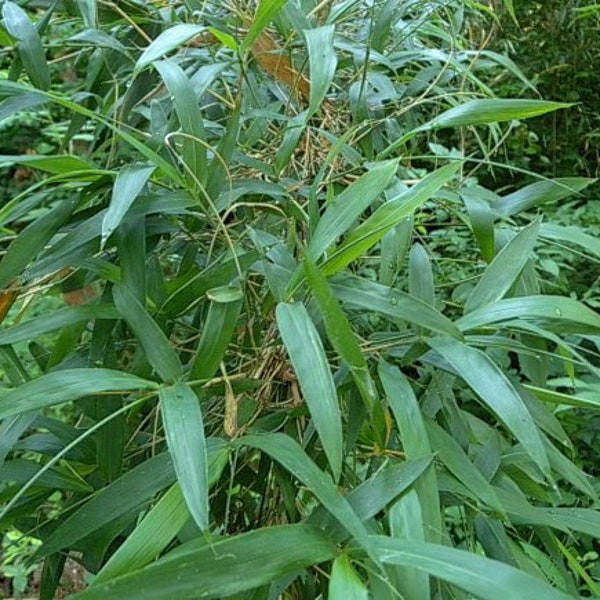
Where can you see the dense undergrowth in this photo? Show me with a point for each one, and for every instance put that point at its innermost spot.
(272, 330)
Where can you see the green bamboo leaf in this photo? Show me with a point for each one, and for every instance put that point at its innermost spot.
(374, 494)
(348, 206)
(484, 578)
(485, 111)
(292, 457)
(340, 333)
(406, 523)
(541, 192)
(32, 240)
(420, 275)
(89, 12)
(220, 324)
(266, 11)
(415, 442)
(322, 60)
(56, 164)
(159, 352)
(386, 217)
(129, 183)
(555, 313)
(571, 235)
(308, 359)
(459, 464)
(64, 386)
(361, 293)
(345, 584)
(559, 399)
(167, 41)
(20, 470)
(223, 568)
(503, 271)
(184, 429)
(481, 219)
(186, 106)
(59, 319)
(161, 525)
(29, 45)
(132, 491)
(486, 379)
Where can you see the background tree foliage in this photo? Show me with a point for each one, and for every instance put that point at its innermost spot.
(275, 324)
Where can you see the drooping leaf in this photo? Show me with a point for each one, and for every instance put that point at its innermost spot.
(64, 386)
(184, 429)
(484, 578)
(222, 568)
(159, 352)
(322, 60)
(309, 362)
(487, 380)
(167, 41)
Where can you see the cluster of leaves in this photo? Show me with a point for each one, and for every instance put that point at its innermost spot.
(304, 350)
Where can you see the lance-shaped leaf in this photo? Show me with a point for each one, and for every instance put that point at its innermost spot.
(184, 429)
(265, 12)
(345, 584)
(385, 218)
(167, 41)
(63, 386)
(157, 348)
(128, 185)
(29, 44)
(484, 578)
(223, 568)
(309, 362)
(348, 206)
(322, 60)
(541, 192)
(486, 379)
(503, 271)
(339, 332)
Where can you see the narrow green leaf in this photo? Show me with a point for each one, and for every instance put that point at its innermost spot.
(131, 491)
(420, 275)
(459, 464)
(415, 442)
(406, 523)
(159, 352)
(160, 526)
(29, 45)
(221, 569)
(322, 60)
(188, 112)
(481, 219)
(59, 319)
(89, 12)
(367, 295)
(486, 379)
(374, 494)
(503, 271)
(485, 111)
(220, 324)
(184, 429)
(348, 206)
(292, 457)
(32, 240)
(555, 313)
(56, 164)
(345, 584)
(541, 192)
(167, 41)
(386, 217)
(267, 9)
(484, 578)
(309, 361)
(129, 183)
(571, 235)
(64, 386)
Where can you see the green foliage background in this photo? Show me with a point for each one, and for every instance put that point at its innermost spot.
(315, 345)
